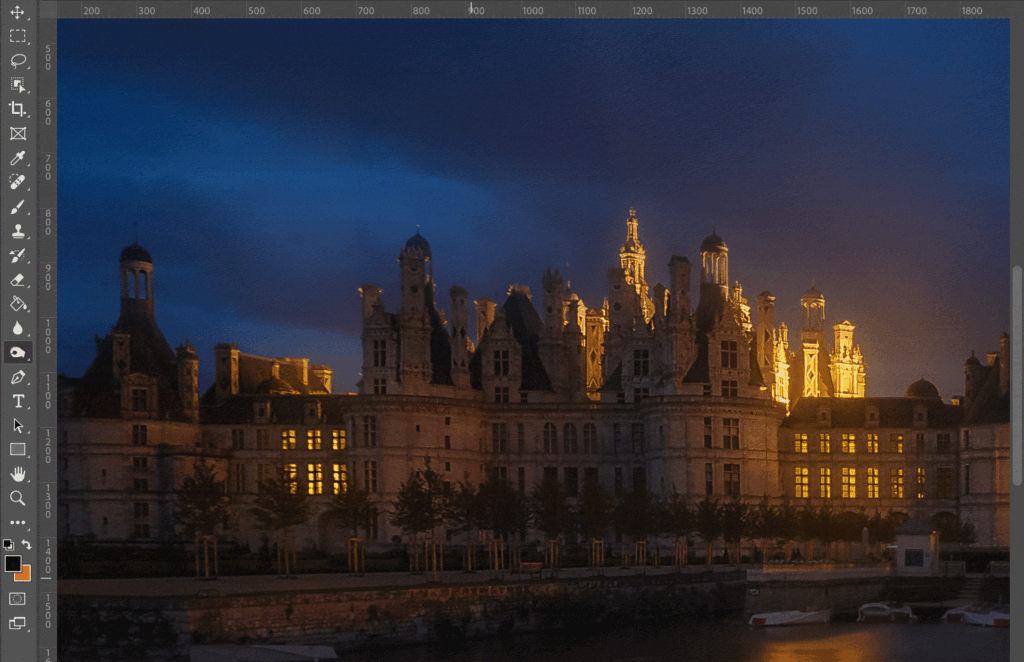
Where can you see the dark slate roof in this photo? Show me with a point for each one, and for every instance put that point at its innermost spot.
(136, 253)
(699, 372)
(813, 293)
(526, 327)
(274, 385)
(284, 409)
(988, 405)
(440, 346)
(892, 412)
(614, 382)
(98, 394)
(254, 371)
(922, 388)
(712, 243)
(915, 527)
(417, 241)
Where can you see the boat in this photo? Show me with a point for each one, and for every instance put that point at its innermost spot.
(997, 617)
(885, 612)
(801, 617)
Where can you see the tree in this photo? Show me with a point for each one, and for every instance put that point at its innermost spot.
(785, 525)
(708, 523)
(421, 506)
(352, 508)
(464, 512)
(594, 511)
(280, 505)
(734, 515)
(761, 523)
(549, 508)
(635, 516)
(807, 529)
(679, 521)
(503, 509)
(201, 506)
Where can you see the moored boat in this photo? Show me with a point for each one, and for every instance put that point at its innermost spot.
(998, 617)
(885, 612)
(801, 617)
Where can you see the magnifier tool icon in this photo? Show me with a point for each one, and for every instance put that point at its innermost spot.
(19, 499)
(16, 62)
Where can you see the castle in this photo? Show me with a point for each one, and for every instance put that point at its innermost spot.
(645, 392)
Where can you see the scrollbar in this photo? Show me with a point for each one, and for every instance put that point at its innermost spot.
(1016, 374)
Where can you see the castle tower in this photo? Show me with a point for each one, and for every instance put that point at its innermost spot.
(812, 340)
(679, 288)
(848, 379)
(414, 322)
(714, 263)
(188, 380)
(136, 280)
(460, 335)
(632, 257)
(765, 335)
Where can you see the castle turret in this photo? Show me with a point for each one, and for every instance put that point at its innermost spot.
(225, 369)
(460, 335)
(188, 380)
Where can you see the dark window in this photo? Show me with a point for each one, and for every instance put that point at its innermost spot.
(732, 480)
(919, 442)
(639, 480)
(709, 479)
(731, 433)
(913, 558)
(550, 438)
(380, 387)
(521, 438)
(139, 399)
(141, 510)
(943, 444)
(641, 393)
(238, 440)
(638, 438)
(500, 394)
(590, 476)
(501, 363)
(447, 442)
(707, 390)
(618, 481)
(142, 530)
(570, 439)
(730, 388)
(641, 362)
(369, 431)
(139, 435)
(140, 463)
(616, 438)
(621, 398)
(944, 483)
(729, 354)
(967, 479)
(380, 353)
(550, 474)
(141, 485)
(499, 437)
(370, 476)
(589, 438)
(708, 440)
(522, 480)
(572, 481)
(967, 440)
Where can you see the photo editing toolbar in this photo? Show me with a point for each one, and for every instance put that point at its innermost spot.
(32, 478)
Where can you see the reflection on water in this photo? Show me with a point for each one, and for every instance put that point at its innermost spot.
(730, 641)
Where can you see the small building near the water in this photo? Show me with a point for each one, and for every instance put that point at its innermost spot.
(917, 548)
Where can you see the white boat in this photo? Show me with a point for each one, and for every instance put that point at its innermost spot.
(885, 612)
(979, 615)
(802, 617)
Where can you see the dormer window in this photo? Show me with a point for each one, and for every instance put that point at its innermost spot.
(139, 399)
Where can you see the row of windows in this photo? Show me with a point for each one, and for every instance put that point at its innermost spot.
(730, 479)
(848, 442)
(897, 482)
(313, 472)
(289, 439)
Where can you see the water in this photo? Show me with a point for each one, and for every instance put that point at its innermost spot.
(731, 641)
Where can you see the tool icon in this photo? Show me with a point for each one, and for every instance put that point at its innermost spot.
(17, 234)
(17, 12)
(16, 497)
(18, 132)
(16, 281)
(17, 109)
(17, 207)
(17, 85)
(8, 545)
(16, 599)
(16, 180)
(17, 377)
(18, 304)
(18, 59)
(17, 256)
(18, 474)
(17, 428)
(18, 157)
(18, 36)
(17, 352)
(18, 329)
(27, 545)
(18, 449)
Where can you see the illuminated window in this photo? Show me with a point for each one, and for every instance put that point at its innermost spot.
(826, 483)
(288, 440)
(369, 431)
(895, 443)
(826, 446)
(730, 388)
(731, 433)
(707, 432)
(732, 480)
(550, 438)
(570, 439)
(872, 482)
(501, 363)
(339, 478)
(800, 442)
(313, 440)
(290, 476)
(315, 478)
(338, 440)
(872, 443)
(849, 443)
(803, 487)
(920, 482)
(641, 362)
(589, 438)
(896, 475)
(499, 437)
(730, 354)
(849, 483)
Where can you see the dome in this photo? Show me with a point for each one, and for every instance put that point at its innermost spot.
(713, 244)
(417, 241)
(275, 385)
(922, 388)
(813, 293)
(972, 360)
(136, 253)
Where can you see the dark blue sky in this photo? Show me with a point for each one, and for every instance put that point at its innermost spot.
(273, 167)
